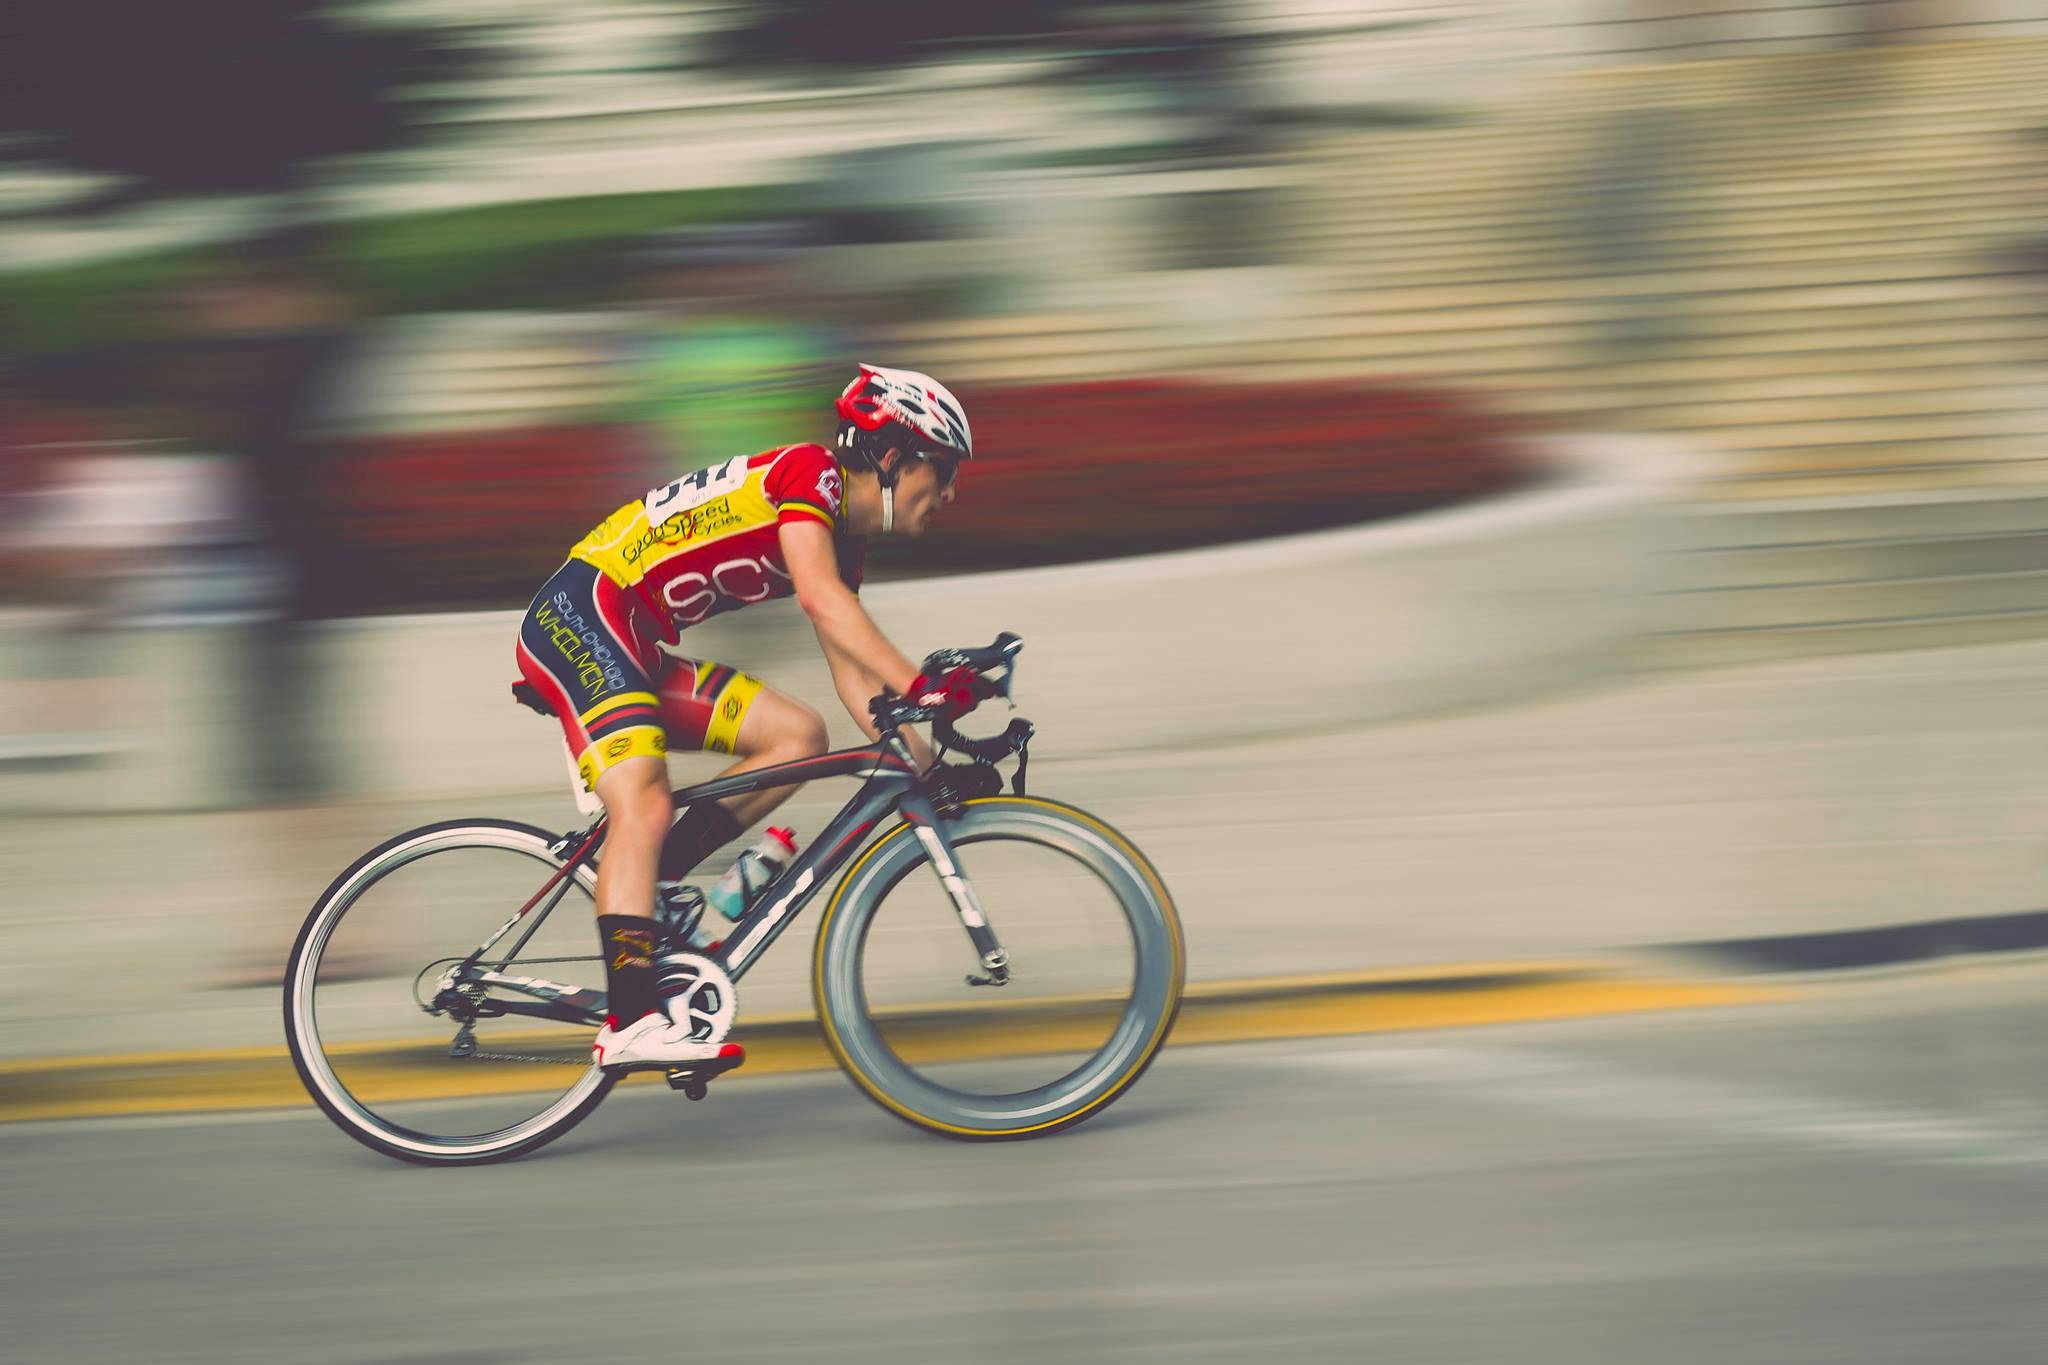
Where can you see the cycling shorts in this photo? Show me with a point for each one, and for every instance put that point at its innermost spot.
(589, 648)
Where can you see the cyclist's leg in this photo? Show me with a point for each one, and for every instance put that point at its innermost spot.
(717, 709)
(636, 800)
(777, 729)
(587, 650)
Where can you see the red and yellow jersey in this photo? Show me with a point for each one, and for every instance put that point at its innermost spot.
(708, 543)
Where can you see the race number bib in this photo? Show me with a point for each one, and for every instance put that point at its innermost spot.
(695, 489)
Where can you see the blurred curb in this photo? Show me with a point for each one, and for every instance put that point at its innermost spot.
(1848, 950)
(1460, 995)
(1457, 996)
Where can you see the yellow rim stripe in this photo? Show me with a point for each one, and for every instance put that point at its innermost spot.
(1137, 859)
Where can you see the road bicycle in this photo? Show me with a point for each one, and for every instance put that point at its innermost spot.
(426, 1048)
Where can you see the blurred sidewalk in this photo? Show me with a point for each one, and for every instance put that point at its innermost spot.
(1771, 799)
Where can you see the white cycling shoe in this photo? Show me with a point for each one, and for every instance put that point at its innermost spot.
(653, 1040)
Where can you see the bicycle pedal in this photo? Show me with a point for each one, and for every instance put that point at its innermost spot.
(693, 1079)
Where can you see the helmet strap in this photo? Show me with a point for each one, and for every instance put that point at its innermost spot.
(885, 476)
(885, 479)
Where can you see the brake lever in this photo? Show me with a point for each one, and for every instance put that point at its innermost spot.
(1008, 645)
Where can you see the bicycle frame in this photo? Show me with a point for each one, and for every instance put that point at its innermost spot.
(893, 784)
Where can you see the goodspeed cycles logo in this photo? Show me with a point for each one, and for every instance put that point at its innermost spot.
(692, 523)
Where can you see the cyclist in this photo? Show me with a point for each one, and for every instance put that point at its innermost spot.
(788, 522)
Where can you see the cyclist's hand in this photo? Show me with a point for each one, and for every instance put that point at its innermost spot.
(956, 690)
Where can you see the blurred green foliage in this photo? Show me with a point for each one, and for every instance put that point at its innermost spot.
(543, 253)
(100, 304)
(548, 253)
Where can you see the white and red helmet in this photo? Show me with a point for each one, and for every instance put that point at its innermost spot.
(884, 408)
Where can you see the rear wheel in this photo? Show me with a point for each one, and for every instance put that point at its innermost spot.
(404, 1046)
(1096, 969)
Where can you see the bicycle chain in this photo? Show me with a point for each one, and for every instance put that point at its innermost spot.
(521, 1057)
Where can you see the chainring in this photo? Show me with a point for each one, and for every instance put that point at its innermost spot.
(692, 986)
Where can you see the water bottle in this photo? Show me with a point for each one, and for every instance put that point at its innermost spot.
(752, 870)
(679, 909)
(683, 994)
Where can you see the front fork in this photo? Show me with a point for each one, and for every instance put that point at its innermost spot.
(916, 809)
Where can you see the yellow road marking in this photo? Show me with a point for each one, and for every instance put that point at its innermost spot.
(1211, 1012)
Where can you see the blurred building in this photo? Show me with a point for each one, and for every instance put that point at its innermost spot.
(1753, 230)
(1798, 241)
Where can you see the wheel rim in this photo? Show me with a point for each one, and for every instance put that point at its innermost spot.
(401, 1088)
(1130, 1020)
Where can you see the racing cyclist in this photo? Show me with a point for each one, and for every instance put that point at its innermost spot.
(787, 522)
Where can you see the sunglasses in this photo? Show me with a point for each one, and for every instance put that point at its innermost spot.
(945, 465)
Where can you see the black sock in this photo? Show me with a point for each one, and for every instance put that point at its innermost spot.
(627, 942)
(697, 833)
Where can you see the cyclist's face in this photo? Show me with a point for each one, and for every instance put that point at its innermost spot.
(920, 491)
(946, 467)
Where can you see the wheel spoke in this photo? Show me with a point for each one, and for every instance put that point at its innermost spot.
(461, 1078)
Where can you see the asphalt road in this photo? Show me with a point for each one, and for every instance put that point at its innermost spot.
(1857, 1176)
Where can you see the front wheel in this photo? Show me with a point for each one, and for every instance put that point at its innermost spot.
(1096, 970)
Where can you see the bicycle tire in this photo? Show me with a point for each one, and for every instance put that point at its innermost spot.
(317, 1071)
(1143, 1025)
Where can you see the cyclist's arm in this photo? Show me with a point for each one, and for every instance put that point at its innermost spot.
(843, 625)
(862, 660)
(856, 686)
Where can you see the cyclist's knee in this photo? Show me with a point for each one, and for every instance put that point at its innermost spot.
(646, 816)
(637, 800)
(801, 735)
(807, 736)
(783, 729)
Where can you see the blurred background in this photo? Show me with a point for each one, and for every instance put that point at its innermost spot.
(323, 312)
(1480, 480)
